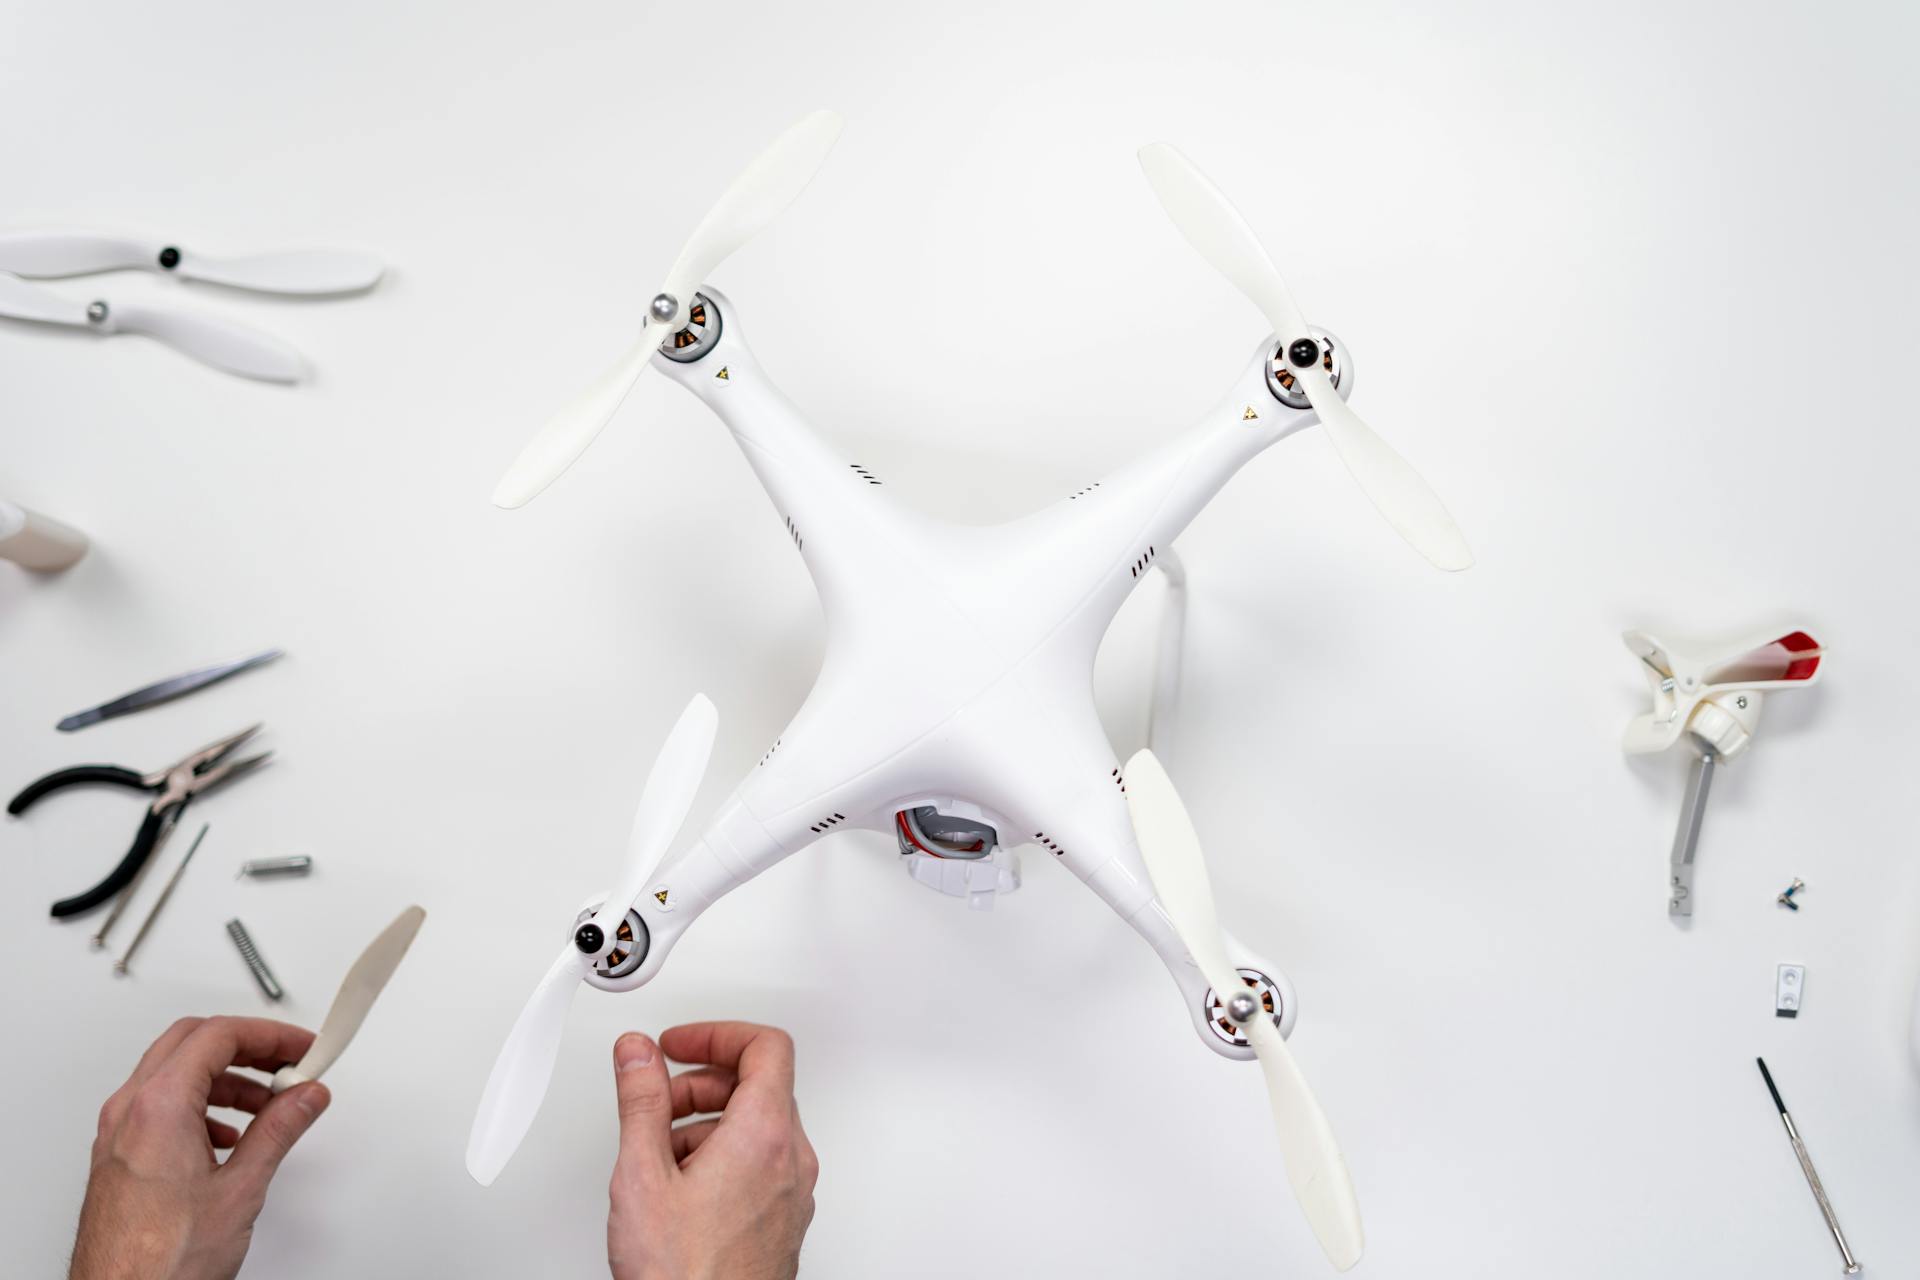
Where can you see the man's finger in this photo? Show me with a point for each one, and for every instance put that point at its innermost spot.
(702, 1089)
(241, 1093)
(162, 1048)
(761, 1056)
(646, 1110)
(688, 1137)
(221, 1134)
(279, 1125)
(219, 1043)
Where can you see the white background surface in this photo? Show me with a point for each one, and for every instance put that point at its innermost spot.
(1631, 284)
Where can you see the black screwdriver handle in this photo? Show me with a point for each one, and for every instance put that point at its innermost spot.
(118, 878)
(109, 774)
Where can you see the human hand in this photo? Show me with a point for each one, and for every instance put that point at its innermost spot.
(726, 1198)
(159, 1205)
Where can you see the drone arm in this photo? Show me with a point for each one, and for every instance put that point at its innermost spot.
(834, 510)
(735, 847)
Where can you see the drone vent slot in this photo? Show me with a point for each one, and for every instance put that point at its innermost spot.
(1120, 781)
(1074, 497)
(1140, 565)
(793, 531)
(770, 750)
(1041, 836)
(863, 473)
(829, 822)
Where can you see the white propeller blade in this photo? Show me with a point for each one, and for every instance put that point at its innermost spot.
(1316, 1170)
(764, 188)
(220, 343)
(299, 271)
(363, 984)
(1214, 227)
(296, 271)
(518, 1083)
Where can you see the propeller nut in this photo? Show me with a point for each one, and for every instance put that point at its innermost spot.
(1241, 1006)
(663, 308)
(589, 938)
(1302, 352)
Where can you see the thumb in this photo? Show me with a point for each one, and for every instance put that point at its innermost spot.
(274, 1130)
(646, 1108)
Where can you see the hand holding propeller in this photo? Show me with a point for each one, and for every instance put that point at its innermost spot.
(764, 188)
(1316, 1170)
(518, 1083)
(1214, 227)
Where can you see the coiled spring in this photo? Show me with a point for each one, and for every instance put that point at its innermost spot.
(251, 954)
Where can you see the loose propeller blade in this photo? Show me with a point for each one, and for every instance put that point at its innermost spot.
(223, 344)
(762, 191)
(362, 986)
(518, 1083)
(1221, 235)
(315, 272)
(1316, 1170)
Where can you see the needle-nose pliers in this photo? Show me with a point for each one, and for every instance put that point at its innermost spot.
(176, 785)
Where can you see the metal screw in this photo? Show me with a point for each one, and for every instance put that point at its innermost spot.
(298, 864)
(120, 965)
(1741, 702)
(1786, 897)
(96, 313)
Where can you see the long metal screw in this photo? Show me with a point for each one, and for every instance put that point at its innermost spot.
(99, 940)
(120, 965)
(251, 954)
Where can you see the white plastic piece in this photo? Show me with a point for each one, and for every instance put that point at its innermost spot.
(43, 254)
(236, 348)
(1715, 691)
(1316, 1170)
(1215, 228)
(978, 880)
(764, 188)
(38, 542)
(362, 986)
(517, 1085)
(1789, 990)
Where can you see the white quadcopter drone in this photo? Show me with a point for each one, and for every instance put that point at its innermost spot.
(965, 749)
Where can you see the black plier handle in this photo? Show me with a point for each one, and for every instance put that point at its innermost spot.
(108, 774)
(175, 786)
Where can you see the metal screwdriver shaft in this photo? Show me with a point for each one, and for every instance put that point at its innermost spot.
(120, 965)
(1847, 1263)
(1687, 837)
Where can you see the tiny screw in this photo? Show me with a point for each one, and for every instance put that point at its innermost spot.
(96, 312)
(1786, 897)
(169, 257)
(1741, 702)
(1303, 352)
